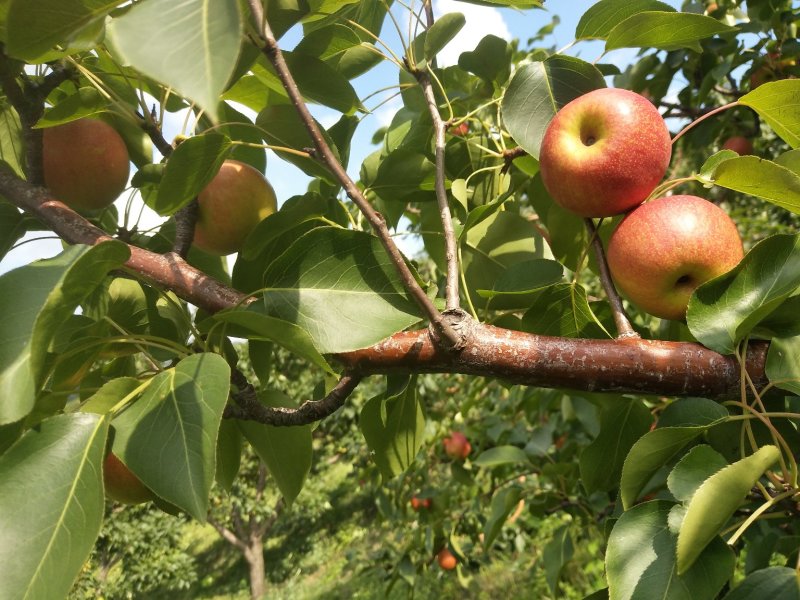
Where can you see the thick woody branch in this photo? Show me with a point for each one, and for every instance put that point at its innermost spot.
(624, 328)
(249, 408)
(326, 156)
(450, 243)
(627, 366)
(167, 271)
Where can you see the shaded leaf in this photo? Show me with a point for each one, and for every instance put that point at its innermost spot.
(562, 310)
(503, 502)
(442, 32)
(556, 554)
(716, 500)
(168, 437)
(641, 558)
(285, 450)
(775, 583)
(783, 363)
(700, 463)
(501, 455)
(195, 51)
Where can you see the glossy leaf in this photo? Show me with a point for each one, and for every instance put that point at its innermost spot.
(760, 178)
(393, 425)
(716, 500)
(783, 363)
(286, 451)
(700, 463)
(503, 502)
(190, 168)
(195, 51)
(51, 505)
(665, 31)
(33, 28)
(651, 452)
(501, 455)
(603, 16)
(725, 310)
(339, 286)
(34, 301)
(776, 103)
(641, 558)
(775, 583)
(538, 90)
(168, 437)
(622, 423)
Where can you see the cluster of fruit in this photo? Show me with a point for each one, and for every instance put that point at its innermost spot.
(86, 166)
(602, 155)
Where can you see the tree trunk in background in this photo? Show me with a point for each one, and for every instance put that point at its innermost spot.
(254, 555)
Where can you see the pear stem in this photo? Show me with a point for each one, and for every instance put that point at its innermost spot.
(702, 118)
(624, 328)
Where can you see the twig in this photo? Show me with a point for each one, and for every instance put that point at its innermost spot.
(509, 156)
(702, 118)
(450, 243)
(185, 221)
(325, 154)
(624, 328)
(249, 408)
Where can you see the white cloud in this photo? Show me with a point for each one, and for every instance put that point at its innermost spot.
(481, 21)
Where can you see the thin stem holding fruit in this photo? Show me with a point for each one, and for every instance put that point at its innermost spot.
(325, 154)
(624, 328)
(698, 120)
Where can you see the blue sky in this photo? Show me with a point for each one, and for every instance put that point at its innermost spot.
(480, 21)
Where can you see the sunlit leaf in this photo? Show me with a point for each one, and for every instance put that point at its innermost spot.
(778, 103)
(603, 16)
(665, 31)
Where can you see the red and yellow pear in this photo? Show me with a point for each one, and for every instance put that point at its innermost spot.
(604, 152)
(86, 163)
(667, 247)
(230, 206)
(121, 484)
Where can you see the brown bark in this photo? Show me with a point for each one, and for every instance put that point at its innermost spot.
(254, 555)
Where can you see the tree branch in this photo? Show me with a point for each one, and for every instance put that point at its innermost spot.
(250, 409)
(227, 535)
(325, 154)
(628, 366)
(624, 328)
(450, 244)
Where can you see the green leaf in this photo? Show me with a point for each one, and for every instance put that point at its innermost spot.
(502, 455)
(538, 90)
(195, 51)
(783, 363)
(51, 505)
(700, 463)
(12, 226)
(778, 103)
(521, 4)
(622, 422)
(725, 310)
(489, 61)
(321, 83)
(761, 178)
(285, 450)
(34, 301)
(394, 440)
(775, 583)
(523, 278)
(87, 101)
(442, 32)
(190, 168)
(602, 17)
(641, 559)
(33, 28)
(12, 150)
(562, 310)
(556, 554)
(168, 437)
(651, 452)
(692, 412)
(665, 31)
(109, 395)
(229, 454)
(503, 502)
(252, 324)
(402, 173)
(712, 162)
(716, 500)
(341, 287)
